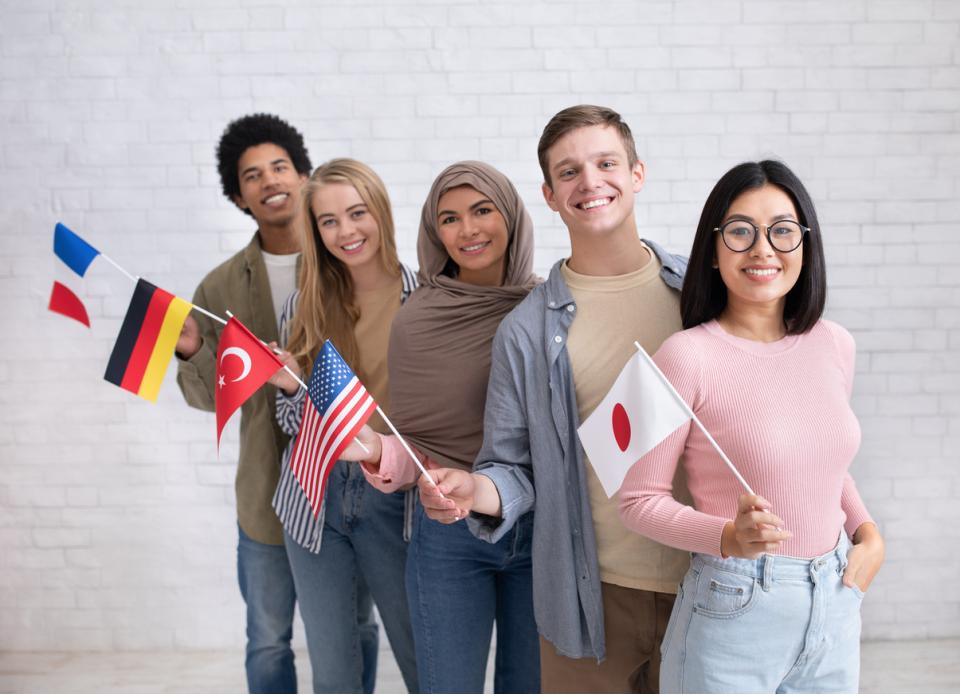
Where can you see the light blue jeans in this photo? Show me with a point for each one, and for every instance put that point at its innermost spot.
(362, 554)
(770, 625)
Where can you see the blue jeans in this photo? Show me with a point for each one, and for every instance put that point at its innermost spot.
(362, 554)
(773, 624)
(267, 588)
(457, 586)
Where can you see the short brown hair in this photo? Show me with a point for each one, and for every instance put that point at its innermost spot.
(580, 117)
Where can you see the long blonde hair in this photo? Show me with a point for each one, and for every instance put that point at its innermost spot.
(326, 309)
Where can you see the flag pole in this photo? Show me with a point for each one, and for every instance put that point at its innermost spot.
(405, 446)
(114, 263)
(694, 417)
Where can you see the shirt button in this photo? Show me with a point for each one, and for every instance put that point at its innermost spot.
(557, 339)
(552, 304)
(571, 308)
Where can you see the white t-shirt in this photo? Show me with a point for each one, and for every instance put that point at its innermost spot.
(282, 274)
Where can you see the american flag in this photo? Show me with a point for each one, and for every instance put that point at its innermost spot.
(337, 407)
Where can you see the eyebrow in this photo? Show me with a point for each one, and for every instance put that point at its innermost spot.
(352, 207)
(747, 218)
(595, 155)
(281, 160)
(474, 206)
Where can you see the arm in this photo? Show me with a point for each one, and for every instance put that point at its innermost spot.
(503, 472)
(867, 554)
(647, 504)
(388, 467)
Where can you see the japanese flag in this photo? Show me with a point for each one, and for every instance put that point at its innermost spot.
(636, 414)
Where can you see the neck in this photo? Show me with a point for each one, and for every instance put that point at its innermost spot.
(490, 276)
(761, 323)
(618, 254)
(370, 276)
(280, 240)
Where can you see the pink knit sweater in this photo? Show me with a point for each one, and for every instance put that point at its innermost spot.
(781, 413)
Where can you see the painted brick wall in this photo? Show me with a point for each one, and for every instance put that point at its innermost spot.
(116, 517)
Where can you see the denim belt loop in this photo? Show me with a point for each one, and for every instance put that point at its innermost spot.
(766, 580)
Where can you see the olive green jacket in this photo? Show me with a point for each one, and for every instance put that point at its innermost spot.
(240, 285)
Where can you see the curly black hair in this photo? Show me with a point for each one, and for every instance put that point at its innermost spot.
(250, 131)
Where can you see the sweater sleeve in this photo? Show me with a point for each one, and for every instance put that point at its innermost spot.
(850, 501)
(647, 505)
(396, 471)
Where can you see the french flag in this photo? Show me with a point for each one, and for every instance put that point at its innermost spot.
(77, 255)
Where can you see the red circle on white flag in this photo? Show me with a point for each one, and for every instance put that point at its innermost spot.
(621, 426)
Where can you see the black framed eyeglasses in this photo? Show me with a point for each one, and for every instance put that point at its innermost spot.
(740, 235)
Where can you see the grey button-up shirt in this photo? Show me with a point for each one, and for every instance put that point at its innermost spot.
(532, 454)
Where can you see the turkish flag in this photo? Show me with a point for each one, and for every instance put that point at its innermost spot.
(244, 364)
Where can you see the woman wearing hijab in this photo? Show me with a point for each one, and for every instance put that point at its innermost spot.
(476, 254)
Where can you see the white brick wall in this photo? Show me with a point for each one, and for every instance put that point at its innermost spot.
(116, 520)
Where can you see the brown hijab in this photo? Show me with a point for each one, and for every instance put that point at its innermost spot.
(439, 355)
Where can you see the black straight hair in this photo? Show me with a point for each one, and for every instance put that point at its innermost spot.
(704, 295)
(252, 130)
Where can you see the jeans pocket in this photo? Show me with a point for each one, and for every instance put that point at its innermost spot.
(856, 591)
(724, 595)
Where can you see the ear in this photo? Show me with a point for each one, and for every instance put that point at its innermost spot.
(639, 175)
(548, 196)
(239, 202)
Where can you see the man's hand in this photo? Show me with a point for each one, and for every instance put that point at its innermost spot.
(189, 342)
(451, 498)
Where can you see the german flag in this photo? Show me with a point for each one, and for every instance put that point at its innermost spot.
(146, 341)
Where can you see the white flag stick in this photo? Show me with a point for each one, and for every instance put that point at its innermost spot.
(692, 416)
(405, 446)
(112, 262)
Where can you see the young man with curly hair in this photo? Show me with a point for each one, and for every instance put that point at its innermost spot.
(263, 163)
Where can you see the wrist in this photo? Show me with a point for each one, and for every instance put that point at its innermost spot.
(729, 547)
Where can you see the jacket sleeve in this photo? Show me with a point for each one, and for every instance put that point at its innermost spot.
(196, 376)
(505, 455)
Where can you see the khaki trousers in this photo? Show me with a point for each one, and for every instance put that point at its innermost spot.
(634, 624)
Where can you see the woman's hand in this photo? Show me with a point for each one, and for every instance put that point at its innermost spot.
(864, 558)
(451, 498)
(355, 452)
(282, 379)
(755, 531)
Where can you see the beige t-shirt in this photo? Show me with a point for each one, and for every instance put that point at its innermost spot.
(377, 309)
(612, 312)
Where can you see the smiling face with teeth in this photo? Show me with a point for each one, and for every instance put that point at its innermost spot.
(474, 234)
(761, 276)
(592, 184)
(269, 186)
(348, 229)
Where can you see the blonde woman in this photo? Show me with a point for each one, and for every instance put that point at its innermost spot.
(351, 285)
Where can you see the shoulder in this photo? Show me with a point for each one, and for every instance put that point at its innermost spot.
(224, 282)
(681, 346)
(526, 318)
(840, 336)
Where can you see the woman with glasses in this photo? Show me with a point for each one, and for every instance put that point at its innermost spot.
(772, 598)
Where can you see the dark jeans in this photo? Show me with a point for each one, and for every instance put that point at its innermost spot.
(457, 586)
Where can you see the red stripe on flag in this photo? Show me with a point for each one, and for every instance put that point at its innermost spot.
(323, 438)
(146, 340)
